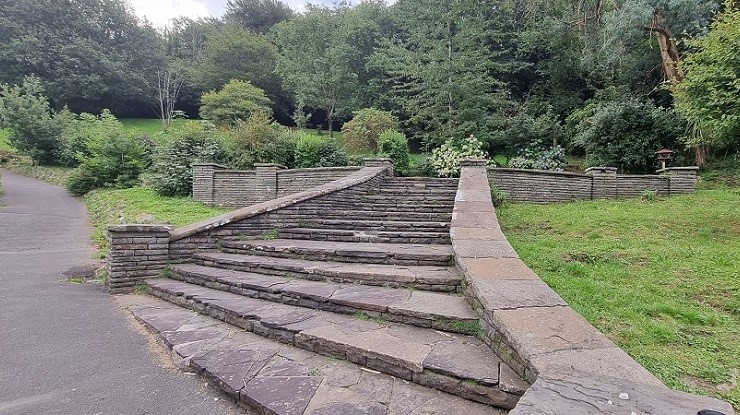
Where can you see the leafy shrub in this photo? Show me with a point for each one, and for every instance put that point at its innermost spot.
(314, 151)
(172, 172)
(525, 129)
(237, 100)
(626, 133)
(362, 132)
(107, 155)
(498, 197)
(259, 140)
(395, 146)
(538, 156)
(25, 111)
(446, 158)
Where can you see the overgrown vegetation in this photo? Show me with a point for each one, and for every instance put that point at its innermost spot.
(660, 278)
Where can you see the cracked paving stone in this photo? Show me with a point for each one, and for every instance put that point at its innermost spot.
(281, 395)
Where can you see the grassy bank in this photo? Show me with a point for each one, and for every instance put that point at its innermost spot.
(660, 278)
(141, 205)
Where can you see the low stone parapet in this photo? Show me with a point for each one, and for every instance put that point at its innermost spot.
(573, 367)
(135, 253)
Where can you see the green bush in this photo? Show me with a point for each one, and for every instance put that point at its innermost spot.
(172, 170)
(259, 140)
(395, 146)
(539, 156)
(25, 111)
(525, 129)
(315, 151)
(626, 133)
(237, 100)
(362, 132)
(107, 156)
(446, 158)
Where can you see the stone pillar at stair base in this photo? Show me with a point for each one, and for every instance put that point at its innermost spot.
(135, 253)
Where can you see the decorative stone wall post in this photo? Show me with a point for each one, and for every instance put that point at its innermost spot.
(267, 180)
(681, 180)
(604, 182)
(135, 253)
(204, 177)
(380, 162)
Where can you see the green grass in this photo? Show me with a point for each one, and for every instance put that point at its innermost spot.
(142, 205)
(149, 126)
(660, 278)
(5, 145)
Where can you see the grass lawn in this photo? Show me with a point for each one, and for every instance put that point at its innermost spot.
(659, 278)
(142, 205)
(4, 143)
(149, 126)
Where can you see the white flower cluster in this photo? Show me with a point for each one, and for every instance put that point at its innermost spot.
(446, 158)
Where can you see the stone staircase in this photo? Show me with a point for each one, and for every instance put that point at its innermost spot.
(363, 284)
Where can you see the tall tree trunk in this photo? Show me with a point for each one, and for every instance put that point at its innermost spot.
(668, 50)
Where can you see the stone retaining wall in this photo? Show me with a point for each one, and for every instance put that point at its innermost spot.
(574, 368)
(541, 186)
(135, 253)
(214, 184)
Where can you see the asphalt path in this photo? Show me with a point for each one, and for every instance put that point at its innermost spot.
(69, 348)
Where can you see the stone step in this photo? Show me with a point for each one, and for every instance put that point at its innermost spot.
(453, 363)
(343, 235)
(332, 212)
(373, 224)
(368, 253)
(416, 190)
(274, 378)
(408, 197)
(429, 278)
(417, 308)
(383, 205)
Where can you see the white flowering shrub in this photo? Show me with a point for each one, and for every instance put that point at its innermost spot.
(446, 158)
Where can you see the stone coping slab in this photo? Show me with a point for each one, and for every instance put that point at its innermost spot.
(440, 310)
(470, 369)
(434, 278)
(362, 176)
(574, 368)
(279, 379)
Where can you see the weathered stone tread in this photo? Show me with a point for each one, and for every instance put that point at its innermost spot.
(278, 379)
(453, 363)
(375, 253)
(347, 235)
(420, 308)
(433, 278)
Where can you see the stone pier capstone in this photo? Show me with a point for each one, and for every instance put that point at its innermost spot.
(135, 253)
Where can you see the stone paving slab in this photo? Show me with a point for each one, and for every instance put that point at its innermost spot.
(583, 394)
(436, 278)
(377, 253)
(279, 379)
(398, 350)
(436, 309)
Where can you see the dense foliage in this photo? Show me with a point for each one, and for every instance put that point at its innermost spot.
(315, 151)
(446, 158)
(395, 146)
(236, 101)
(362, 132)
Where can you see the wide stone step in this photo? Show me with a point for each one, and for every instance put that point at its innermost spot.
(431, 278)
(382, 205)
(453, 363)
(345, 235)
(275, 378)
(400, 197)
(369, 253)
(332, 212)
(377, 225)
(413, 307)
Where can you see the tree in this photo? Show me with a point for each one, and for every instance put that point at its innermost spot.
(237, 100)
(235, 53)
(25, 111)
(169, 84)
(708, 95)
(258, 16)
(443, 66)
(362, 132)
(315, 57)
(89, 54)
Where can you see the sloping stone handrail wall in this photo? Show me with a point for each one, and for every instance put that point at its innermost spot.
(541, 186)
(131, 261)
(574, 368)
(215, 185)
